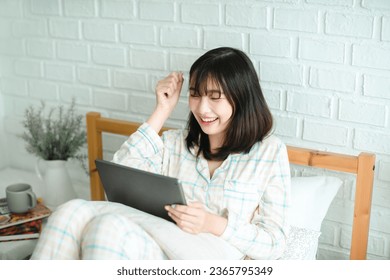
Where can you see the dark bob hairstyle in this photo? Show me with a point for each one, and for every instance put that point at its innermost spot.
(251, 120)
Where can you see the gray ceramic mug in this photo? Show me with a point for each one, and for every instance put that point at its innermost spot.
(20, 198)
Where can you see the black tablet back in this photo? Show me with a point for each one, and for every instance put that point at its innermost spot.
(145, 191)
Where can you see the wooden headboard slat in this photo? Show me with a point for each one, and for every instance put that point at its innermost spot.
(119, 126)
(362, 209)
(116, 126)
(361, 165)
(95, 151)
(327, 160)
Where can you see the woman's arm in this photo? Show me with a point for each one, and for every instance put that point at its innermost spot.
(144, 149)
(167, 94)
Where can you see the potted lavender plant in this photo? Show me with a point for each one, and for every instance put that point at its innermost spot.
(54, 137)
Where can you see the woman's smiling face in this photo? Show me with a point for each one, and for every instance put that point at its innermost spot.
(212, 110)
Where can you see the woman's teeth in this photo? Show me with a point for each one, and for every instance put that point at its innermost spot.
(208, 120)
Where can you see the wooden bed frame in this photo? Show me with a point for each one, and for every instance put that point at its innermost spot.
(362, 165)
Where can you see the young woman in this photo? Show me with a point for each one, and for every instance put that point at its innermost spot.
(234, 173)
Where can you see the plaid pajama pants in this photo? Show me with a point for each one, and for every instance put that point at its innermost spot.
(83, 230)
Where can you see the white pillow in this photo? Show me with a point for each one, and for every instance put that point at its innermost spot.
(310, 200)
(302, 244)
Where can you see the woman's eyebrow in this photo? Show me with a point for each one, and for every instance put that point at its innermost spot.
(213, 90)
(208, 91)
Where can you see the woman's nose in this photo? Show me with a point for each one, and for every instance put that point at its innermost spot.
(203, 105)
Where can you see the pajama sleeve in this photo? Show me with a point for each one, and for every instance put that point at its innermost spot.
(144, 150)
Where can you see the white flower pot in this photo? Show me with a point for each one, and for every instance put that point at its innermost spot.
(58, 187)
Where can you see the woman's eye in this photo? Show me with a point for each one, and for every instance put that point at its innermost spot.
(215, 95)
(194, 93)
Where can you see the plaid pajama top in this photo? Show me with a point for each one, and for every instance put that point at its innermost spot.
(251, 190)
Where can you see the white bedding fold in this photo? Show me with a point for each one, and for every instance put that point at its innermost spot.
(176, 244)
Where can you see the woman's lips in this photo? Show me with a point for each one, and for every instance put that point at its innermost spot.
(208, 120)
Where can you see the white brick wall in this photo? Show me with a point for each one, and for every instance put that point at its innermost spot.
(371, 55)
(324, 66)
(323, 50)
(344, 24)
(283, 73)
(46, 7)
(99, 31)
(3, 139)
(268, 45)
(296, 19)
(121, 9)
(376, 86)
(180, 37)
(201, 13)
(111, 56)
(155, 10)
(76, 8)
(138, 34)
(64, 28)
(246, 15)
(72, 51)
(59, 72)
(332, 79)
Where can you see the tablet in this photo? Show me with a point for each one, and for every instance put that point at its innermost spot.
(145, 191)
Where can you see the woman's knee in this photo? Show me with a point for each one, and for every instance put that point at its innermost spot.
(71, 204)
(115, 226)
(76, 209)
(112, 222)
(117, 235)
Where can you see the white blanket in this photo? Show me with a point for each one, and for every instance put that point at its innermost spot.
(176, 244)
